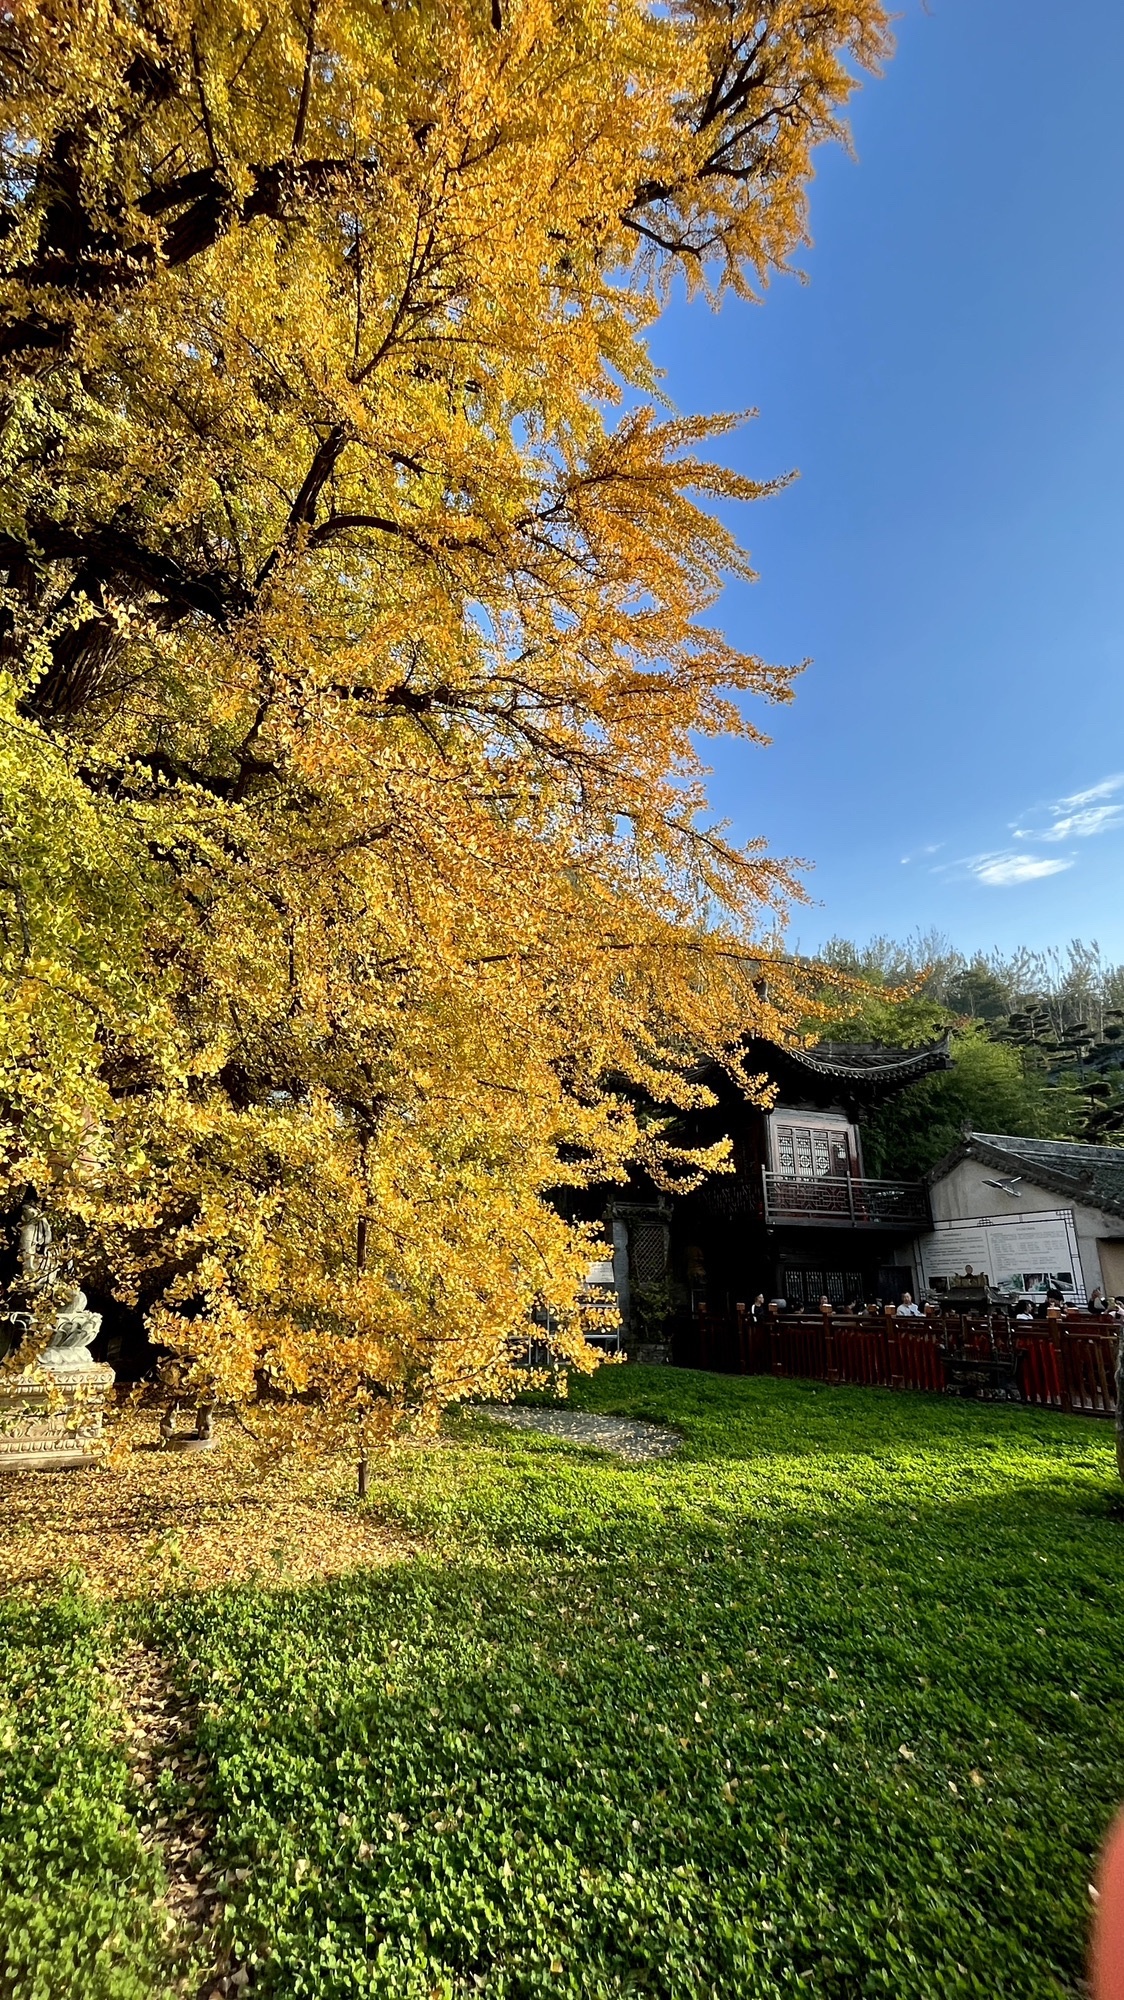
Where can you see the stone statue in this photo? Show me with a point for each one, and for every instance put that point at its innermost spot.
(39, 1260)
(42, 1268)
(51, 1403)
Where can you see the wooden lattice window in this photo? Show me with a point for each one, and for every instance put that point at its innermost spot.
(813, 1152)
(803, 1287)
(649, 1253)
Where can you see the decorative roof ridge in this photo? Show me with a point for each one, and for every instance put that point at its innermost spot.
(1016, 1140)
(868, 1059)
(841, 1062)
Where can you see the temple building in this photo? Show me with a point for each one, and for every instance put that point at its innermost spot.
(798, 1217)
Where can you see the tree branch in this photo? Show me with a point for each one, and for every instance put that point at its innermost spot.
(303, 509)
(115, 553)
(306, 80)
(87, 262)
(197, 72)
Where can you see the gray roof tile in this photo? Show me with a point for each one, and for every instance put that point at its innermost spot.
(1093, 1175)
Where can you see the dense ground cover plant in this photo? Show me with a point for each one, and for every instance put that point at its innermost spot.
(77, 1889)
(830, 1703)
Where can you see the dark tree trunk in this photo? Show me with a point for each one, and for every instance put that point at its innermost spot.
(79, 660)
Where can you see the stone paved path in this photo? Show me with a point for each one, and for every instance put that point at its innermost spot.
(620, 1435)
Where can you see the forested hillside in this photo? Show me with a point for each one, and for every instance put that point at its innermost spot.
(1037, 1043)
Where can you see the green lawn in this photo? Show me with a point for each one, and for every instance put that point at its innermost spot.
(77, 1891)
(831, 1703)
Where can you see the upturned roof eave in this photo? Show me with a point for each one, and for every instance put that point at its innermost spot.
(893, 1066)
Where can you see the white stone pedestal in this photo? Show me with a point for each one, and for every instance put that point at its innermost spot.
(51, 1418)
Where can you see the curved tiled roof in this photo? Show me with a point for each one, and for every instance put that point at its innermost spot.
(864, 1071)
(868, 1062)
(1093, 1175)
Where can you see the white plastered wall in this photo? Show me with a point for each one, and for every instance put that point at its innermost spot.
(962, 1195)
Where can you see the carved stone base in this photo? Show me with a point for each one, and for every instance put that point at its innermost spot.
(51, 1420)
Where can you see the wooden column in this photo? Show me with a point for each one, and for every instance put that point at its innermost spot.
(774, 1342)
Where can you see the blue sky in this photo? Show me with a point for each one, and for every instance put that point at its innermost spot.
(950, 384)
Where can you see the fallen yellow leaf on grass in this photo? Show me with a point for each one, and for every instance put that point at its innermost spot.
(157, 1520)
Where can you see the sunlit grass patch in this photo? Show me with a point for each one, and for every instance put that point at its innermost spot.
(833, 1701)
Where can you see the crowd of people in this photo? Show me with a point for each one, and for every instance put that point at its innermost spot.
(1023, 1310)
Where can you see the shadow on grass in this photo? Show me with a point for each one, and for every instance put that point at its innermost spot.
(78, 1917)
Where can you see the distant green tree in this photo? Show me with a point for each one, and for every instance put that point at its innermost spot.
(898, 1024)
(878, 1013)
(979, 992)
(1070, 985)
(926, 957)
(1037, 1043)
(991, 1087)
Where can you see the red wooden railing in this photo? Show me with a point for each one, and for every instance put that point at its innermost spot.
(1060, 1364)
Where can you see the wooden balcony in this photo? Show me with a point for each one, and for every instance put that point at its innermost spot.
(846, 1202)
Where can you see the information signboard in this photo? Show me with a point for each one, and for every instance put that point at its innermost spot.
(1016, 1253)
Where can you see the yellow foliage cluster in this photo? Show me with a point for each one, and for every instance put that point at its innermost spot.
(355, 887)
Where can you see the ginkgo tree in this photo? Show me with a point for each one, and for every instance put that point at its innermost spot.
(356, 888)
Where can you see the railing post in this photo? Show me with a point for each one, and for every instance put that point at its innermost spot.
(829, 1345)
(702, 1344)
(851, 1197)
(887, 1357)
(894, 1336)
(1057, 1333)
(765, 1191)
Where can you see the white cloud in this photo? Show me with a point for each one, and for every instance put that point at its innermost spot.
(1102, 791)
(1082, 824)
(1079, 816)
(1002, 871)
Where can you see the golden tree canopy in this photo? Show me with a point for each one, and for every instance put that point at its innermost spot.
(355, 887)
